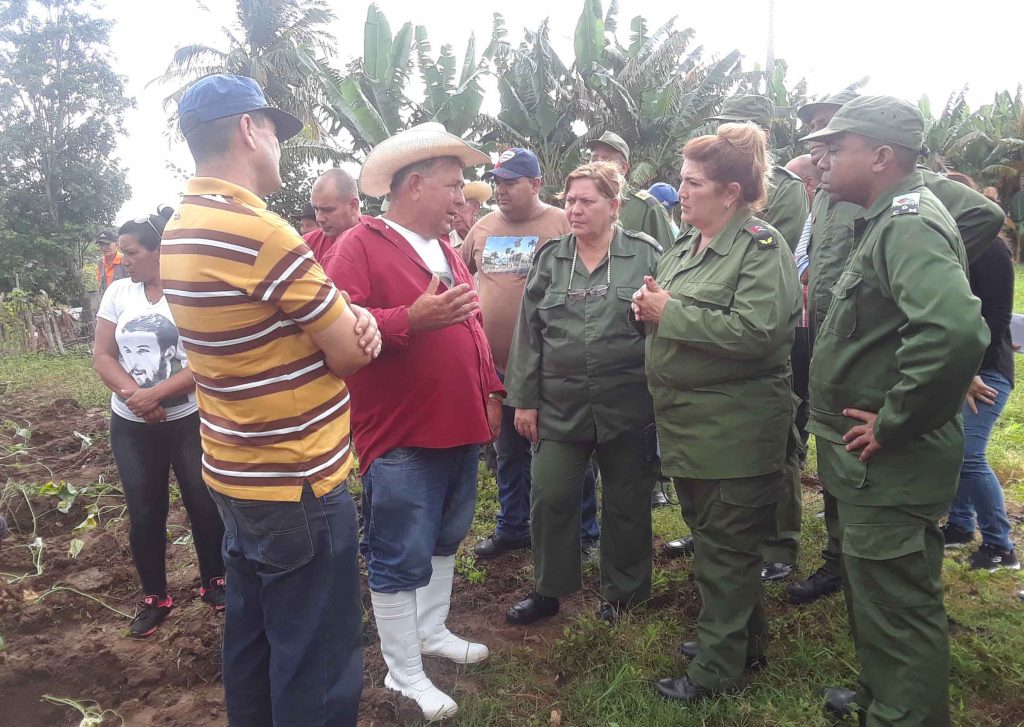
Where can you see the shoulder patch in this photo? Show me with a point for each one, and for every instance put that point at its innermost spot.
(649, 199)
(764, 237)
(637, 235)
(906, 204)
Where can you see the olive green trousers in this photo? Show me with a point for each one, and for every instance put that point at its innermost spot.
(729, 520)
(628, 474)
(892, 579)
(783, 543)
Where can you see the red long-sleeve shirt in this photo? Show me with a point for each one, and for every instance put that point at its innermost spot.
(427, 388)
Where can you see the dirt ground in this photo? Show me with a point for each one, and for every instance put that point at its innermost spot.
(65, 644)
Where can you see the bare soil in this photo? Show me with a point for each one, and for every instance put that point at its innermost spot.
(66, 644)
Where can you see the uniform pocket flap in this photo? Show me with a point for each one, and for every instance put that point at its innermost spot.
(626, 293)
(846, 284)
(717, 294)
(551, 300)
(882, 542)
(751, 491)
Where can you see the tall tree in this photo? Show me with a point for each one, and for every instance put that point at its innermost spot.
(61, 110)
(273, 42)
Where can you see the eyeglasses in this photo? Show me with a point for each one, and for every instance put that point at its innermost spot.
(147, 220)
(577, 294)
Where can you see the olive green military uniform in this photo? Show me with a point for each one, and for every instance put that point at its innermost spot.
(641, 211)
(718, 369)
(786, 210)
(903, 337)
(577, 359)
(977, 218)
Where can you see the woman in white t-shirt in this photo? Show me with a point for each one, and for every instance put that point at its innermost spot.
(154, 423)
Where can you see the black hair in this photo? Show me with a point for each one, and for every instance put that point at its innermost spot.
(165, 331)
(148, 233)
(212, 139)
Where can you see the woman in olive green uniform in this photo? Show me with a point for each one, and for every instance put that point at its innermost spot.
(721, 318)
(576, 379)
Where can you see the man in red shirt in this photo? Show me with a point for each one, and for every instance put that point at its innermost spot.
(421, 412)
(335, 200)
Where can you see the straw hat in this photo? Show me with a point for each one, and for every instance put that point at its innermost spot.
(479, 191)
(422, 142)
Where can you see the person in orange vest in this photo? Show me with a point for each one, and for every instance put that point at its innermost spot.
(110, 267)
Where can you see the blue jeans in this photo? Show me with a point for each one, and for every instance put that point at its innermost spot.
(979, 495)
(417, 503)
(514, 485)
(293, 625)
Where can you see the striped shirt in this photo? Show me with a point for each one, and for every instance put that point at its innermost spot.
(245, 290)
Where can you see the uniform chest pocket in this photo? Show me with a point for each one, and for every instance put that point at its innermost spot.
(841, 318)
(551, 310)
(717, 296)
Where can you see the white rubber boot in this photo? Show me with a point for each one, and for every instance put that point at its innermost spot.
(395, 614)
(432, 604)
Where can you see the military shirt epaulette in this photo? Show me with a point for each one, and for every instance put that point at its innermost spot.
(906, 204)
(649, 199)
(763, 236)
(637, 235)
(787, 172)
(547, 248)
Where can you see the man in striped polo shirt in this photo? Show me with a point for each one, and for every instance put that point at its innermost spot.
(269, 338)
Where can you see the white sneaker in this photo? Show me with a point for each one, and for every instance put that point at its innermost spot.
(432, 604)
(395, 614)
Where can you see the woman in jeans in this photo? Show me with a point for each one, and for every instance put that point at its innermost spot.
(979, 498)
(154, 423)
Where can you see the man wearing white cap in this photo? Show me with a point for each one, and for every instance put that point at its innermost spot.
(420, 415)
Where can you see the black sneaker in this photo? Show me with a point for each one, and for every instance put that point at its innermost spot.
(990, 558)
(956, 537)
(822, 582)
(214, 594)
(154, 611)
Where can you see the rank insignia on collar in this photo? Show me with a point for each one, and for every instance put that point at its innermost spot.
(763, 237)
(906, 204)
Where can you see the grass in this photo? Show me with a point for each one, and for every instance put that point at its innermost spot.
(68, 376)
(595, 675)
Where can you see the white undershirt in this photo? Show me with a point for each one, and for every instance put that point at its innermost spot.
(429, 251)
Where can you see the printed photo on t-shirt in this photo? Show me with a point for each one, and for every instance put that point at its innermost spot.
(147, 346)
(508, 254)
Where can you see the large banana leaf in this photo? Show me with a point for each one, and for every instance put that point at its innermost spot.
(400, 60)
(376, 44)
(589, 40)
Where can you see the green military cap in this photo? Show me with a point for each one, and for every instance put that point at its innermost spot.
(836, 101)
(747, 107)
(615, 141)
(885, 118)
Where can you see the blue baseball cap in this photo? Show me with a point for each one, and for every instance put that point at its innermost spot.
(222, 95)
(515, 163)
(664, 193)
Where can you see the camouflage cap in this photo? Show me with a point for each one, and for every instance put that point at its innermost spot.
(836, 101)
(746, 107)
(615, 141)
(885, 118)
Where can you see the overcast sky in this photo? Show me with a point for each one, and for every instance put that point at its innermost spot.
(908, 49)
